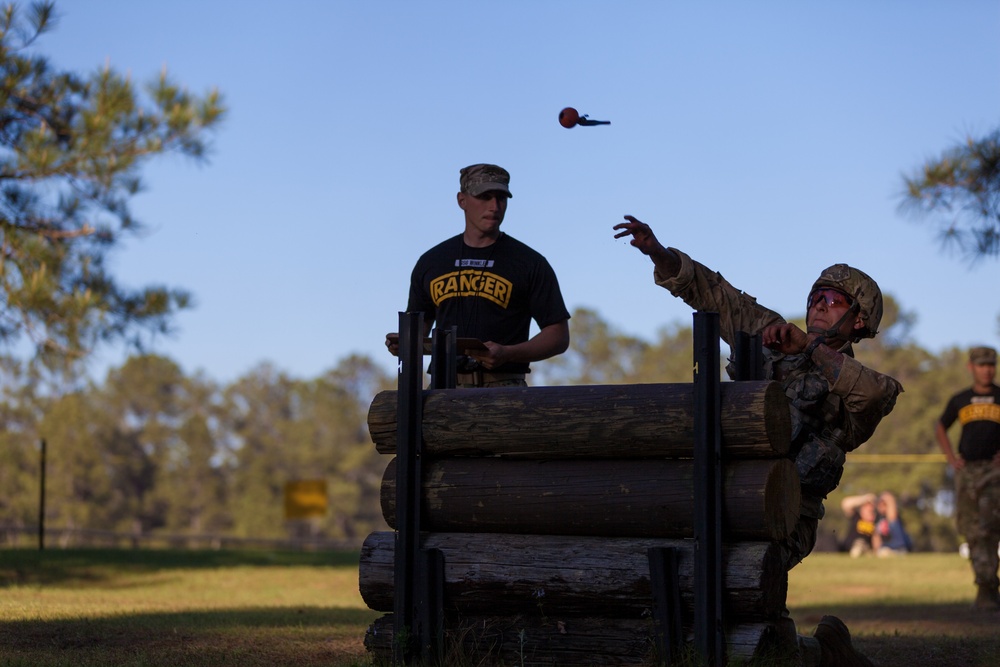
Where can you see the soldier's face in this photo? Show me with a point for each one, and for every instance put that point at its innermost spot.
(983, 374)
(826, 307)
(484, 212)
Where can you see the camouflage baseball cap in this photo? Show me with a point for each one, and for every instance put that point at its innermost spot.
(983, 355)
(859, 286)
(479, 178)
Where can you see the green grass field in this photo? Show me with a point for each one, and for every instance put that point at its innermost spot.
(88, 608)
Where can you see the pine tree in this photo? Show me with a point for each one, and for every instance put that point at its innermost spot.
(962, 190)
(71, 149)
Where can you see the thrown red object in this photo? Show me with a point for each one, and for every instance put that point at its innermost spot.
(568, 117)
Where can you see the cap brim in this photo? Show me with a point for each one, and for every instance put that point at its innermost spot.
(480, 188)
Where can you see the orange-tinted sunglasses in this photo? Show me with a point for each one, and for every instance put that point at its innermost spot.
(833, 297)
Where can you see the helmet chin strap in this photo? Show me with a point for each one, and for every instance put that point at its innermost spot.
(834, 331)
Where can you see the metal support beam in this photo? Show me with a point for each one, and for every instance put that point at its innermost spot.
(430, 606)
(444, 358)
(418, 604)
(667, 622)
(748, 357)
(708, 622)
(409, 437)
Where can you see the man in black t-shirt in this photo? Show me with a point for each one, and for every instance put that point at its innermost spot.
(977, 470)
(490, 286)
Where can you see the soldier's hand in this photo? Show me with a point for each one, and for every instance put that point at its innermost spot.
(642, 236)
(493, 357)
(392, 343)
(785, 338)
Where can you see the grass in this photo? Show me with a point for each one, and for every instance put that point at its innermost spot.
(83, 608)
(902, 612)
(89, 608)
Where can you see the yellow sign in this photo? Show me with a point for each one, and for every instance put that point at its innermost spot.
(305, 499)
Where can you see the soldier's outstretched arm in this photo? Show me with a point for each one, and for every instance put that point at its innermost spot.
(667, 263)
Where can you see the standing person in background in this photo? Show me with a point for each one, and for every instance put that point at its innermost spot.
(977, 470)
(835, 402)
(491, 286)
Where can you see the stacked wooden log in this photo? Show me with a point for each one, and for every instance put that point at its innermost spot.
(544, 503)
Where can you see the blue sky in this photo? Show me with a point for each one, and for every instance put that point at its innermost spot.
(766, 139)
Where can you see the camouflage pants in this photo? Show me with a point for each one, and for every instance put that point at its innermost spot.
(800, 542)
(977, 504)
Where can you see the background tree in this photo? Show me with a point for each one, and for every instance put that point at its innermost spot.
(195, 467)
(259, 409)
(598, 354)
(71, 148)
(19, 446)
(284, 429)
(81, 472)
(962, 189)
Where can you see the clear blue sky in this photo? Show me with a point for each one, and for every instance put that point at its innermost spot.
(767, 139)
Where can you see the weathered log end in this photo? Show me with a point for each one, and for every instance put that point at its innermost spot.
(382, 421)
(751, 403)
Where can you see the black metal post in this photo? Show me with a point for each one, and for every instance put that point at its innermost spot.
(430, 606)
(430, 562)
(708, 623)
(409, 414)
(41, 501)
(444, 363)
(748, 357)
(665, 583)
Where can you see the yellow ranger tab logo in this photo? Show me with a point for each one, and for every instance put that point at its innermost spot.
(472, 283)
(979, 412)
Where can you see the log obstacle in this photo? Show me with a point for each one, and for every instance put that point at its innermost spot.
(544, 504)
(580, 641)
(563, 575)
(595, 421)
(612, 497)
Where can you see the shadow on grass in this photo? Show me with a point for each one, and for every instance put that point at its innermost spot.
(132, 627)
(907, 635)
(303, 636)
(27, 566)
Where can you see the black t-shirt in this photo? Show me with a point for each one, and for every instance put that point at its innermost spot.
(979, 415)
(489, 293)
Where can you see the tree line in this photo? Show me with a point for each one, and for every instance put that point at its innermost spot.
(151, 450)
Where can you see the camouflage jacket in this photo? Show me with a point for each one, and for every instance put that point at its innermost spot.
(827, 421)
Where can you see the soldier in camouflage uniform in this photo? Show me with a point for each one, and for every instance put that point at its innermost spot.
(977, 470)
(835, 402)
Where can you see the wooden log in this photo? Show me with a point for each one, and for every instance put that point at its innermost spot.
(628, 498)
(549, 641)
(602, 421)
(487, 573)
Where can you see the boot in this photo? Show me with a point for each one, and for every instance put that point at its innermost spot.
(835, 640)
(987, 597)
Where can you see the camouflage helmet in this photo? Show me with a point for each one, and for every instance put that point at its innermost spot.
(860, 286)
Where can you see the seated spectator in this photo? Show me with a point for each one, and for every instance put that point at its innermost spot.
(861, 535)
(889, 528)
